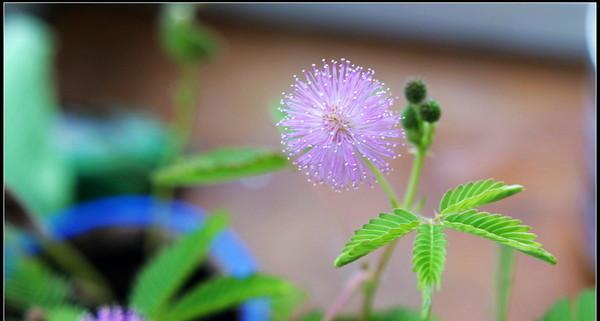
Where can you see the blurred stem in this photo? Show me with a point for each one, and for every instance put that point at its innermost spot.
(185, 100)
(426, 294)
(504, 275)
(186, 97)
(352, 285)
(95, 287)
(409, 197)
(154, 235)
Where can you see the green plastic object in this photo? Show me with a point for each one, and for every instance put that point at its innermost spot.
(113, 154)
(34, 170)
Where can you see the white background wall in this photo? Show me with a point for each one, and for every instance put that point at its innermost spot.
(552, 29)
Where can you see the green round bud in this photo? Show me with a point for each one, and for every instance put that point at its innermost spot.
(430, 111)
(415, 91)
(410, 119)
(182, 37)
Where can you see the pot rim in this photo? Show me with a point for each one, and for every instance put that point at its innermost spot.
(228, 252)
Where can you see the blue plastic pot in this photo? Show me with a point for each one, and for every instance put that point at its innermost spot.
(228, 252)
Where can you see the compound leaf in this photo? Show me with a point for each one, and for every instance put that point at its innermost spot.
(378, 232)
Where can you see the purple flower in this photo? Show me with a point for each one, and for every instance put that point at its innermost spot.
(336, 115)
(113, 314)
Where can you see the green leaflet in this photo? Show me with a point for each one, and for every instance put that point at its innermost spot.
(224, 292)
(502, 229)
(169, 269)
(220, 166)
(429, 258)
(31, 283)
(583, 308)
(64, 313)
(474, 194)
(429, 255)
(377, 233)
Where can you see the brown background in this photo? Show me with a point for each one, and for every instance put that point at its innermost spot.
(517, 119)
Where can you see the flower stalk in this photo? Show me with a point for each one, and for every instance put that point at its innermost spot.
(504, 275)
(372, 284)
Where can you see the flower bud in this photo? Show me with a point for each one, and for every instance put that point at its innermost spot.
(415, 91)
(410, 119)
(430, 111)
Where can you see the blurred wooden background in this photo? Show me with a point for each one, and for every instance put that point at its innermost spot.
(517, 119)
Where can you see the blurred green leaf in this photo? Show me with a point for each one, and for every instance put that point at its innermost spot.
(313, 316)
(183, 38)
(165, 273)
(560, 311)
(583, 308)
(219, 166)
(64, 313)
(34, 171)
(31, 283)
(284, 304)
(224, 292)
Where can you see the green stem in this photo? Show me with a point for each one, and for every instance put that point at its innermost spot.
(409, 197)
(415, 178)
(504, 273)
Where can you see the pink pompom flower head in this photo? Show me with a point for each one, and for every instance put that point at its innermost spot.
(336, 116)
(114, 313)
